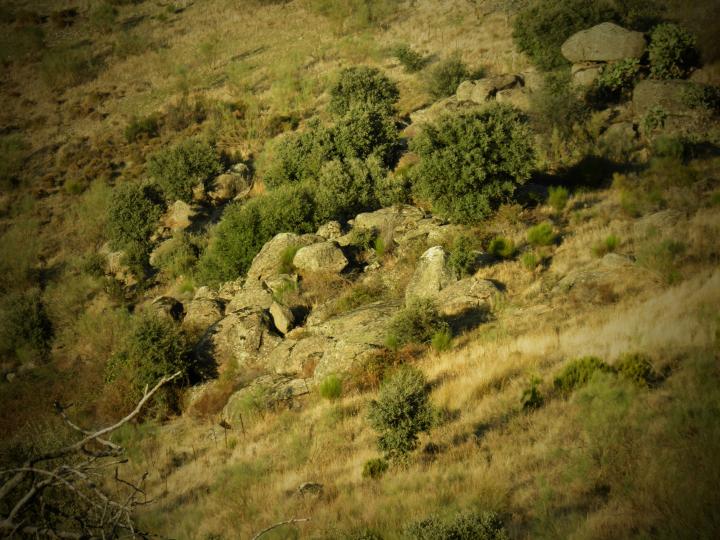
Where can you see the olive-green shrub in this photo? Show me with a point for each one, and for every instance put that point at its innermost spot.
(616, 80)
(25, 328)
(346, 188)
(410, 59)
(579, 372)
(557, 106)
(471, 162)
(331, 387)
(445, 77)
(374, 468)
(462, 257)
(179, 169)
(637, 368)
(502, 248)
(133, 214)
(672, 52)
(471, 525)
(363, 86)
(542, 234)
(418, 322)
(401, 411)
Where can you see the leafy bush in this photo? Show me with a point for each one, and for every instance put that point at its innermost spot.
(637, 368)
(365, 87)
(531, 397)
(654, 119)
(346, 188)
(140, 127)
(375, 468)
(179, 169)
(462, 526)
(579, 372)
(608, 245)
(616, 80)
(411, 60)
(668, 146)
(416, 323)
(542, 234)
(558, 197)
(401, 412)
(530, 260)
(672, 52)
(25, 328)
(462, 257)
(445, 77)
(365, 132)
(442, 340)
(155, 347)
(471, 162)
(556, 106)
(133, 214)
(501, 248)
(331, 387)
(702, 96)
(540, 29)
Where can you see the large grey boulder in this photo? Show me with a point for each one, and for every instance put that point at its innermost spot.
(233, 184)
(482, 90)
(469, 295)
(268, 262)
(320, 257)
(253, 295)
(431, 274)
(604, 43)
(204, 310)
(179, 216)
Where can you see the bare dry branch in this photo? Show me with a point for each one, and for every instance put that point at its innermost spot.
(276, 525)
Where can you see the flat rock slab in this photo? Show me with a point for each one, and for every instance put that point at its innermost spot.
(605, 42)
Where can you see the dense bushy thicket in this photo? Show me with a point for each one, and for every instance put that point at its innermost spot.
(418, 322)
(365, 87)
(473, 161)
(401, 411)
(579, 372)
(179, 169)
(25, 328)
(673, 52)
(133, 214)
(462, 526)
(445, 77)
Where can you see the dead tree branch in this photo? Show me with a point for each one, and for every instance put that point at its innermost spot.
(271, 527)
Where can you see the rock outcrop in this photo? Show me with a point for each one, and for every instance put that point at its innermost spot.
(320, 257)
(431, 275)
(234, 184)
(483, 90)
(605, 42)
(268, 262)
(179, 216)
(204, 310)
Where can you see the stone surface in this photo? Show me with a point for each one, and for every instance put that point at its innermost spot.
(467, 296)
(167, 306)
(179, 216)
(332, 230)
(260, 394)
(204, 310)
(483, 90)
(585, 74)
(431, 274)
(253, 295)
(234, 184)
(268, 262)
(282, 317)
(404, 216)
(604, 43)
(320, 257)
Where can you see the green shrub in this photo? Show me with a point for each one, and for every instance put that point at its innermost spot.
(579, 372)
(501, 248)
(557, 106)
(471, 162)
(155, 348)
(608, 245)
(331, 387)
(672, 52)
(462, 257)
(363, 132)
(416, 323)
(530, 260)
(462, 526)
(179, 169)
(365, 87)
(540, 28)
(669, 146)
(702, 96)
(411, 60)
(558, 198)
(442, 340)
(401, 412)
(542, 234)
(616, 80)
(637, 368)
(445, 77)
(654, 119)
(25, 328)
(140, 127)
(375, 468)
(531, 397)
(133, 214)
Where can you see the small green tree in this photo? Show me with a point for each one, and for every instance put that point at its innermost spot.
(673, 52)
(179, 169)
(133, 214)
(345, 188)
(445, 77)
(471, 162)
(418, 322)
(401, 412)
(363, 86)
(25, 328)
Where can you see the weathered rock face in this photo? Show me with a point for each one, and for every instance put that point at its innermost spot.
(585, 74)
(282, 317)
(242, 338)
(235, 183)
(666, 95)
(254, 295)
(603, 43)
(167, 306)
(320, 257)
(431, 275)
(263, 392)
(397, 217)
(332, 230)
(268, 262)
(483, 90)
(179, 216)
(467, 296)
(204, 310)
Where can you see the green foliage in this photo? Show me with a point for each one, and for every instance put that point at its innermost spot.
(179, 169)
(331, 387)
(133, 214)
(401, 412)
(363, 87)
(415, 323)
(530, 260)
(471, 162)
(411, 60)
(531, 397)
(542, 234)
(617, 79)
(702, 96)
(462, 257)
(556, 106)
(540, 28)
(286, 259)
(669, 146)
(445, 77)
(142, 127)
(155, 348)
(25, 328)
(558, 198)
(637, 368)
(375, 468)
(578, 372)
(178, 257)
(365, 131)
(13, 149)
(463, 526)
(672, 52)
(442, 340)
(654, 119)
(502, 248)
(608, 245)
